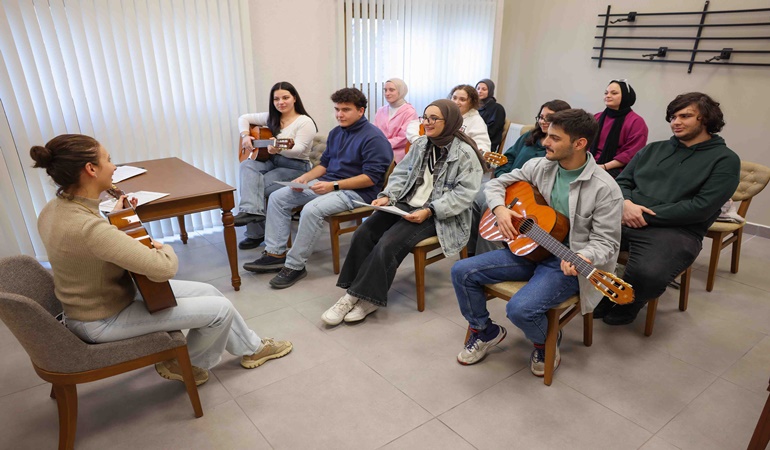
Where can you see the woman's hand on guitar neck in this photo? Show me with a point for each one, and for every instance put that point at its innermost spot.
(505, 218)
(156, 245)
(246, 143)
(120, 204)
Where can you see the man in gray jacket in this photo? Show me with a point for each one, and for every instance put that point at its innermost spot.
(572, 184)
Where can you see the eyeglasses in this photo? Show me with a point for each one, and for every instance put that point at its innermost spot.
(429, 120)
(543, 118)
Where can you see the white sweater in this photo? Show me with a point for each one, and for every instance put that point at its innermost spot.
(302, 130)
(473, 125)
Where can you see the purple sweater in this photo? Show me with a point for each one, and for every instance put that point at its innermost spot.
(633, 136)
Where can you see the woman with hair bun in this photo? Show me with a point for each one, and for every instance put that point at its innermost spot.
(91, 259)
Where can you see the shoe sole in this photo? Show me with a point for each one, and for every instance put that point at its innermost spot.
(167, 374)
(331, 324)
(346, 320)
(264, 269)
(284, 286)
(505, 333)
(259, 362)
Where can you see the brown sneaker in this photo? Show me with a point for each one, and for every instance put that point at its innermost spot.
(170, 370)
(271, 349)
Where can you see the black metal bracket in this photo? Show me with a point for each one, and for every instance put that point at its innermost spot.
(630, 18)
(726, 53)
(660, 54)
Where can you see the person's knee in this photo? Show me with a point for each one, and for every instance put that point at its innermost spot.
(460, 272)
(517, 314)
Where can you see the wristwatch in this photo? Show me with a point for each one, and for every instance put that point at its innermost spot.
(336, 186)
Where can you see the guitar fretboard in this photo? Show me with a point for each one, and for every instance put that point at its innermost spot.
(533, 231)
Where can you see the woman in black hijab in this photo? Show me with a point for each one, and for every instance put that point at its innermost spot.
(434, 185)
(622, 132)
(492, 112)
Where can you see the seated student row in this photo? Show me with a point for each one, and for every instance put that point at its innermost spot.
(695, 118)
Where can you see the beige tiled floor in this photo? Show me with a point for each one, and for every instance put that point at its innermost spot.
(392, 381)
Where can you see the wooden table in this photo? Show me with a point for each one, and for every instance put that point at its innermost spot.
(191, 190)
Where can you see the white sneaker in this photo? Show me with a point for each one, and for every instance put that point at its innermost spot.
(335, 314)
(360, 311)
(476, 349)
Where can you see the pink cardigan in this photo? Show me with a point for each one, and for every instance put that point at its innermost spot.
(394, 128)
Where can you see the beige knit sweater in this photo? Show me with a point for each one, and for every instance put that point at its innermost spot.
(90, 257)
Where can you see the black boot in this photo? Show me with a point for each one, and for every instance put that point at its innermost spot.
(603, 308)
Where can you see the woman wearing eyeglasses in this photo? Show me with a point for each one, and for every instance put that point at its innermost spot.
(622, 132)
(393, 118)
(528, 146)
(467, 99)
(435, 185)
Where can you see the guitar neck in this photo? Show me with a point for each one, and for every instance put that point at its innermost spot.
(260, 143)
(545, 240)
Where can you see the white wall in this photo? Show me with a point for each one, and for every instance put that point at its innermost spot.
(297, 41)
(546, 54)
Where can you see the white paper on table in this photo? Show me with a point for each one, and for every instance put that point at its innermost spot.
(142, 197)
(126, 172)
(294, 185)
(387, 209)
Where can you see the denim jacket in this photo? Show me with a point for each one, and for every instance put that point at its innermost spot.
(456, 185)
(595, 211)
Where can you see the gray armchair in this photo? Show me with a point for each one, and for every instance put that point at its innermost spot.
(28, 307)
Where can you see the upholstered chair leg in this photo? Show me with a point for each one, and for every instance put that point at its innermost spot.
(67, 402)
(183, 358)
(588, 328)
(550, 343)
(652, 307)
(684, 289)
(334, 234)
(420, 257)
(736, 251)
(53, 392)
(467, 335)
(716, 247)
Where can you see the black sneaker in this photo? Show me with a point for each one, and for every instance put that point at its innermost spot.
(249, 243)
(287, 277)
(266, 263)
(603, 308)
(622, 314)
(244, 218)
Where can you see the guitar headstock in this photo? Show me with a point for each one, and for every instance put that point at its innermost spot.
(495, 159)
(284, 144)
(612, 286)
(115, 192)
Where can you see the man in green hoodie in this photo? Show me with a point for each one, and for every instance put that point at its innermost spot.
(673, 192)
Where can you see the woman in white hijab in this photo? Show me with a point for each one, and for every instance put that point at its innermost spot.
(393, 117)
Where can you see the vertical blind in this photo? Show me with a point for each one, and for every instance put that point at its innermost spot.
(433, 45)
(147, 78)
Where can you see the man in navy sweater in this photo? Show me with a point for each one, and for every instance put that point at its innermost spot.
(352, 168)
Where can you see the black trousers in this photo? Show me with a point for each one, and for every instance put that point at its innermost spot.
(656, 256)
(377, 249)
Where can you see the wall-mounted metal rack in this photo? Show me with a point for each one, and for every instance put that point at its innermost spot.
(757, 32)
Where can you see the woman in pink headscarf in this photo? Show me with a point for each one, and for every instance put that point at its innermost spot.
(393, 117)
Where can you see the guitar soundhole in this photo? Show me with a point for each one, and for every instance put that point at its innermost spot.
(526, 225)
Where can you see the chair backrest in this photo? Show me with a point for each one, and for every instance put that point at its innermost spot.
(506, 127)
(317, 148)
(526, 128)
(754, 178)
(28, 307)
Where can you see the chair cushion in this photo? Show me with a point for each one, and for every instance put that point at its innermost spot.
(509, 288)
(433, 240)
(725, 227)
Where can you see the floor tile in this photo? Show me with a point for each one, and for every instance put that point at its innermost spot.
(753, 369)
(433, 435)
(723, 417)
(522, 410)
(656, 443)
(341, 404)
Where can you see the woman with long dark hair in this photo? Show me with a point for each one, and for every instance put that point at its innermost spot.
(622, 132)
(91, 258)
(435, 184)
(287, 119)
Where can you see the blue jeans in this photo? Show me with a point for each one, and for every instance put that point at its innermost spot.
(259, 180)
(547, 287)
(316, 207)
(213, 321)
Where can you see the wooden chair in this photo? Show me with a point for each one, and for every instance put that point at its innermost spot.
(652, 305)
(28, 307)
(506, 127)
(356, 215)
(422, 260)
(558, 317)
(754, 178)
(761, 436)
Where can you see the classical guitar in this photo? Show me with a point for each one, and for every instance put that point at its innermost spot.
(494, 159)
(541, 232)
(157, 295)
(261, 138)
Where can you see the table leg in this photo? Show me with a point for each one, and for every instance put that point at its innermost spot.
(182, 230)
(228, 202)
